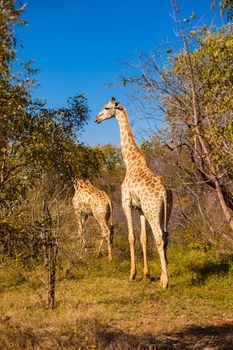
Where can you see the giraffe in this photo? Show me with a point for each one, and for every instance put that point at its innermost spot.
(142, 190)
(89, 200)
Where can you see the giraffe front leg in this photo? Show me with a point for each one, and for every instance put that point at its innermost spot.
(80, 225)
(128, 214)
(143, 239)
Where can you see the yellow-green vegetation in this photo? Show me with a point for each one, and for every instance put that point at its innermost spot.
(97, 307)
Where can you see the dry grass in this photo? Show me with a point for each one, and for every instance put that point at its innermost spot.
(98, 308)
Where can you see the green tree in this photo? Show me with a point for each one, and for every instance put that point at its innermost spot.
(14, 100)
(33, 138)
(111, 166)
(193, 89)
(40, 152)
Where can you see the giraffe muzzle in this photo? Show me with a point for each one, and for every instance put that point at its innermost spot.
(97, 120)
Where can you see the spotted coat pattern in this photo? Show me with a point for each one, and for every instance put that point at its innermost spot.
(142, 190)
(89, 200)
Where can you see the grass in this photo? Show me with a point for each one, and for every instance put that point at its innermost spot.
(97, 307)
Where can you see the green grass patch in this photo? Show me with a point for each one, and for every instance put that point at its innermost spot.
(10, 276)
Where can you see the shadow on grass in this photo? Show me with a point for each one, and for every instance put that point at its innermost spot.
(213, 337)
(90, 334)
(212, 268)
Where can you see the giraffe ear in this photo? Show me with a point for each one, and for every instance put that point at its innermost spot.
(118, 106)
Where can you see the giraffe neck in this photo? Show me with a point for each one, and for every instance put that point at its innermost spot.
(130, 151)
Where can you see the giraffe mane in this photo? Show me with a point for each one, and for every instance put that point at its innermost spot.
(130, 132)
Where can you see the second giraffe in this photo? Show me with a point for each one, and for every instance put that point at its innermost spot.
(89, 200)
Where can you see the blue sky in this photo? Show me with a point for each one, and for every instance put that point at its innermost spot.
(80, 46)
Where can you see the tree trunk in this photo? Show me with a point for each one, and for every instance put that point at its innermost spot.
(222, 201)
(201, 138)
(51, 274)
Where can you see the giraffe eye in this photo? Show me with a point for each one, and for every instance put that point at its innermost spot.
(107, 108)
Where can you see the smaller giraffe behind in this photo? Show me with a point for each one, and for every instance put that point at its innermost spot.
(90, 201)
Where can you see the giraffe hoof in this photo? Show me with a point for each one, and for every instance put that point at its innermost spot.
(146, 277)
(146, 274)
(132, 277)
(164, 283)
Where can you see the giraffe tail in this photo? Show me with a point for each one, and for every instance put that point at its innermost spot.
(111, 223)
(167, 203)
(165, 212)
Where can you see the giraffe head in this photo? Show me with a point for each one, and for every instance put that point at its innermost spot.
(109, 110)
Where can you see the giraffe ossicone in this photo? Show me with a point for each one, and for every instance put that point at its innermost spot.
(89, 200)
(141, 189)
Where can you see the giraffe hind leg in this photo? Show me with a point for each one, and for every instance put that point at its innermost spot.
(105, 233)
(100, 247)
(161, 246)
